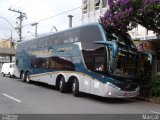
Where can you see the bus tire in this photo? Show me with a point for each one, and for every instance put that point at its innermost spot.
(75, 87)
(62, 85)
(28, 78)
(23, 78)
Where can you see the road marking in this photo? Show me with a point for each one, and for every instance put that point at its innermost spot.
(155, 112)
(12, 98)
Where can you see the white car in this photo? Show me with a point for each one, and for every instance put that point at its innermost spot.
(9, 69)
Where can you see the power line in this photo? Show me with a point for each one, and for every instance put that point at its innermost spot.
(54, 15)
(29, 6)
(8, 22)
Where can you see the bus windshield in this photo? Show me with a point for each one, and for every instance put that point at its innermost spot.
(125, 64)
(120, 37)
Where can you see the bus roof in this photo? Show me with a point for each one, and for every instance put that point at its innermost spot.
(81, 26)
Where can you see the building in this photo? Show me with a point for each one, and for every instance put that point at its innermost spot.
(6, 44)
(93, 9)
(7, 49)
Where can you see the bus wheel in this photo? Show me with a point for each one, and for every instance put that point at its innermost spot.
(62, 85)
(23, 77)
(28, 78)
(75, 87)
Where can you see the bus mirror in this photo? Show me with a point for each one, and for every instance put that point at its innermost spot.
(111, 44)
(150, 58)
(149, 55)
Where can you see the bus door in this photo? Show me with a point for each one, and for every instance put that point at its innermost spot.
(100, 68)
(96, 62)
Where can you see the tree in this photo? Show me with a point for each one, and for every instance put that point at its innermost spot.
(125, 15)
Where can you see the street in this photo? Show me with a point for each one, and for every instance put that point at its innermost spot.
(36, 98)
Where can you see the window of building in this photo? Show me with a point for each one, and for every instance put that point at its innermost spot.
(84, 6)
(104, 3)
(97, 4)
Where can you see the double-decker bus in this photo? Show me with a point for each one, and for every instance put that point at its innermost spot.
(85, 59)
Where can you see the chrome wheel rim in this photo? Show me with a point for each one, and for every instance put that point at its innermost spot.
(27, 79)
(60, 84)
(73, 86)
(22, 76)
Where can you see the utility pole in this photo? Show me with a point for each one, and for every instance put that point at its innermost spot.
(35, 24)
(11, 46)
(21, 16)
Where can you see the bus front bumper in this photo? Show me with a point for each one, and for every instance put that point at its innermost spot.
(115, 93)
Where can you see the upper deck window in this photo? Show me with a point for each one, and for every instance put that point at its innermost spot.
(84, 6)
(97, 4)
(88, 35)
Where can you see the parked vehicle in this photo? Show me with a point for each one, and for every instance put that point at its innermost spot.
(9, 69)
(87, 59)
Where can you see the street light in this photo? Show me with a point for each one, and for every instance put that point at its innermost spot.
(9, 23)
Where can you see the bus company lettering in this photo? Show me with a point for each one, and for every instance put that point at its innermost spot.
(64, 49)
(41, 52)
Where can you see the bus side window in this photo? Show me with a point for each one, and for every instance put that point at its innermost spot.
(38, 63)
(99, 63)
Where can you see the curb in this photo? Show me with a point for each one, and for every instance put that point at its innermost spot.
(148, 100)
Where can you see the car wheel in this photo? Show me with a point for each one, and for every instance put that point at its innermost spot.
(10, 75)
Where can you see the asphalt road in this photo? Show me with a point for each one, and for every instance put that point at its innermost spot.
(22, 98)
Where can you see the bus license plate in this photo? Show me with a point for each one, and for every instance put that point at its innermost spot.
(127, 94)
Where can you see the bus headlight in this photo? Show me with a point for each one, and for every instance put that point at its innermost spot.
(137, 89)
(113, 86)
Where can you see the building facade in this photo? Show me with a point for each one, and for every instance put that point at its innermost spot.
(6, 51)
(93, 9)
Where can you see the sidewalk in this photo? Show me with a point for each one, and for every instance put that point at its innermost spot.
(152, 100)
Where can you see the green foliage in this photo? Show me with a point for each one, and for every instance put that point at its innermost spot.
(127, 14)
(154, 87)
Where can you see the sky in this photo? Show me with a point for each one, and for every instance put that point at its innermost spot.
(46, 12)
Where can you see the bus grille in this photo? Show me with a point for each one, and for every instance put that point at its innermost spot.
(128, 87)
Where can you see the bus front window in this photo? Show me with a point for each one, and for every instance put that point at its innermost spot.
(125, 66)
(123, 39)
(96, 60)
